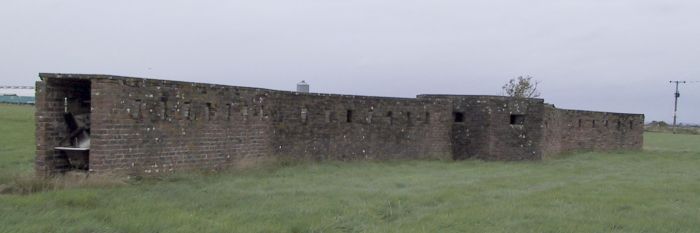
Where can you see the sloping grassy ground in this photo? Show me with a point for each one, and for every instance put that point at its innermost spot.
(651, 191)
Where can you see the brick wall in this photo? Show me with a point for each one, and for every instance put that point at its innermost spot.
(576, 130)
(154, 126)
(359, 127)
(50, 123)
(149, 126)
(485, 130)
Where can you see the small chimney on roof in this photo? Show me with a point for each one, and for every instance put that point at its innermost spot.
(303, 87)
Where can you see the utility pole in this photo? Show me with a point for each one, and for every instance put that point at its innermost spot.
(675, 103)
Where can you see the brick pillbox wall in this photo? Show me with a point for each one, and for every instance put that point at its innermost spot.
(146, 126)
(577, 130)
(485, 130)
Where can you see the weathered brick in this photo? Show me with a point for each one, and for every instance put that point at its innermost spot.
(143, 126)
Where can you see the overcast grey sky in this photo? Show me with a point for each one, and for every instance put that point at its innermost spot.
(610, 55)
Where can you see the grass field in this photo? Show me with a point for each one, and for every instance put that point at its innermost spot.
(16, 140)
(656, 190)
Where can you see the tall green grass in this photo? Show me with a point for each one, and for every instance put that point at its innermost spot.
(16, 140)
(651, 191)
(672, 142)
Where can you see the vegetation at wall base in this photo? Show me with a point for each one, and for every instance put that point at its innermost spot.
(654, 190)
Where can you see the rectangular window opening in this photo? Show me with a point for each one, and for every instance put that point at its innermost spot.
(427, 117)
(580, 123)
(229, 108)
(370, 113)
(516, 119)
(136, 113)
(390, 116)
(328, 116)
(348, 116)
(458, 116)
(263, 113)
(164, 109)
(244, 112)
(210, 111)
(187, 111)
(593, 123)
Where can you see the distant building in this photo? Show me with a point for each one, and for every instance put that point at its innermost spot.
(13, 99)
(303, 87)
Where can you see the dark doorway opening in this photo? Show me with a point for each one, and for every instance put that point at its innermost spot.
(72, 149)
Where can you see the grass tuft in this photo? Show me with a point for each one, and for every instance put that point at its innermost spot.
(24, 184)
